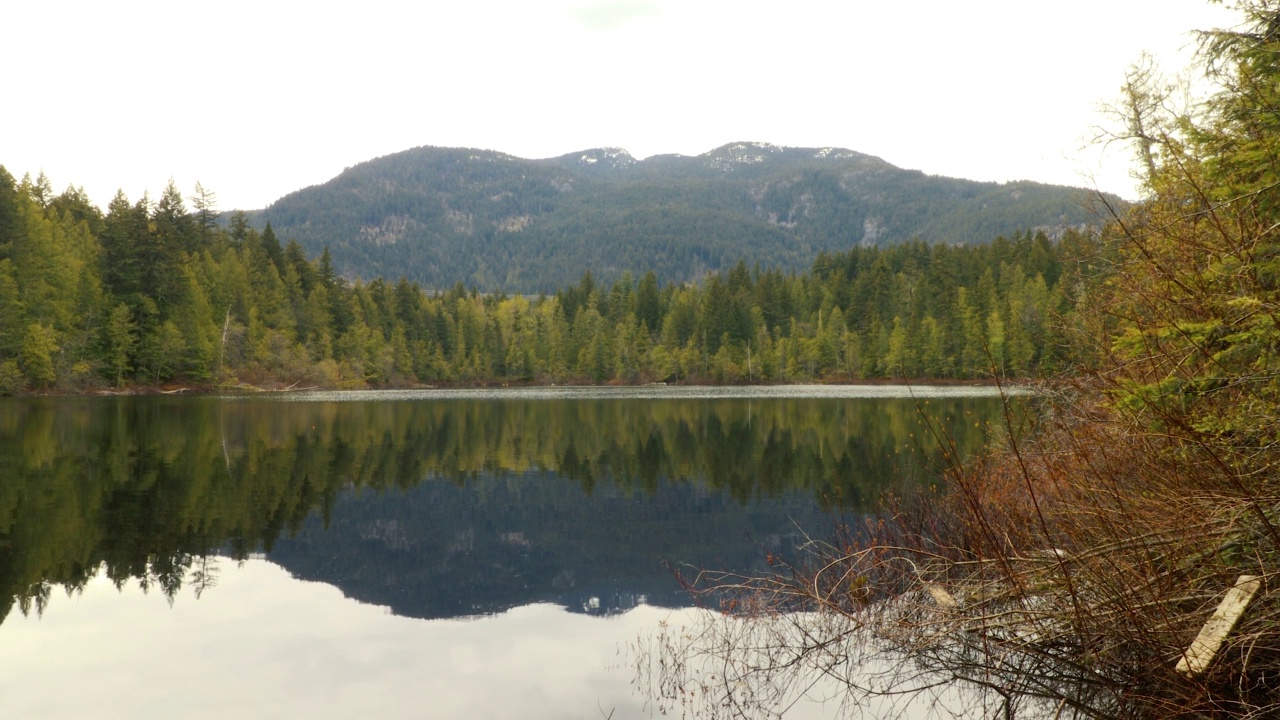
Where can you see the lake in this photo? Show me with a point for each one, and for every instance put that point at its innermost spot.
(478, 554)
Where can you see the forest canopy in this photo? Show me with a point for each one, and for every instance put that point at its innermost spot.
(153, 293)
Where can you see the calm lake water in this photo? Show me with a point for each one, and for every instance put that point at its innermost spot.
(411, 554)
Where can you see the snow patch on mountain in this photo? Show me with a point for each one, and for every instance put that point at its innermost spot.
(613, 157)
(738, 154)
(835, 153)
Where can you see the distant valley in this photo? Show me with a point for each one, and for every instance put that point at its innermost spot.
(439, 216)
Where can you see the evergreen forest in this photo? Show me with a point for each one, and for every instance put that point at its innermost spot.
(152, 293)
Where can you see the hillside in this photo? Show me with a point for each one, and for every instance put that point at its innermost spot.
(442, 215)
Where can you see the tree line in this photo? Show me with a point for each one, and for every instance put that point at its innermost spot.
(152, 293)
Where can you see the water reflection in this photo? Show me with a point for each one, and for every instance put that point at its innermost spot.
(438, 505)
(267, 646)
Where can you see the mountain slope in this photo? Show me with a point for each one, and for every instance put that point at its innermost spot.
(442, 215)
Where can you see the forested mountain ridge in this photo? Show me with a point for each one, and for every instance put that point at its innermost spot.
(499, 222)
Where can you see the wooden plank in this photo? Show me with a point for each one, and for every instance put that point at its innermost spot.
(940, 596)
(1206, 645)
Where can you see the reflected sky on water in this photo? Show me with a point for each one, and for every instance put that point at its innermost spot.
(265, 645)
(262, 644)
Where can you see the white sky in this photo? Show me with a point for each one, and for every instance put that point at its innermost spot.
(257, 98)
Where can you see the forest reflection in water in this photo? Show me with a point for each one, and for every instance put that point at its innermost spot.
(440, 505)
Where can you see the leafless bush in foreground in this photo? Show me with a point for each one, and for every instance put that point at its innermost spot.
(1064, 579)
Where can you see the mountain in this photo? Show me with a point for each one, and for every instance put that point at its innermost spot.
(499, 222)
(444, 549)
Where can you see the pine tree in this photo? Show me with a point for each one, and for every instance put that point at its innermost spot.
(9, 219)
(194, 319)
(649, 302)
(120, 239)
(206, 216)
(39, 346)
(118, 342)
(175, 230)
(74, 206)
(271, 247)
(13, 322)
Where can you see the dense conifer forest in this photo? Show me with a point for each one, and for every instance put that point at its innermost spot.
(152, 293)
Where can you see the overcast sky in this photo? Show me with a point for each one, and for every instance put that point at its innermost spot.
(257, 98)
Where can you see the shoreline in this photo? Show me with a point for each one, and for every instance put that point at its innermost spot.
(203, 389)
